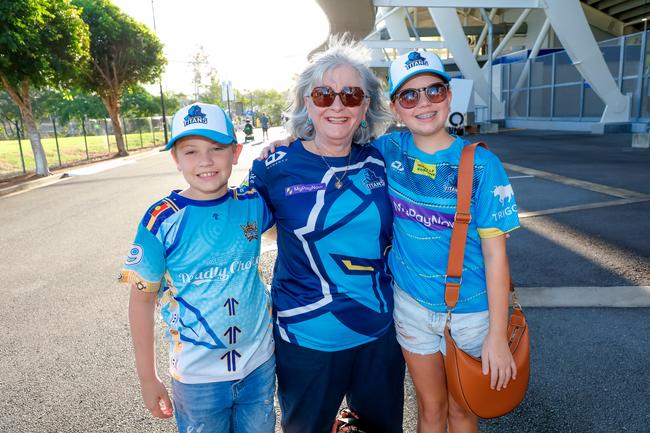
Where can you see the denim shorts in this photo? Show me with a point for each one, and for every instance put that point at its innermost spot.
(238, 406)
(422, 331)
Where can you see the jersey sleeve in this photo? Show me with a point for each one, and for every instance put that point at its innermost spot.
(267, 216)
(145, 264)
(257, 179)
(496, 208)
(380, 143)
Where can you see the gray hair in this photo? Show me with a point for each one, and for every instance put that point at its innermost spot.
(340, 52)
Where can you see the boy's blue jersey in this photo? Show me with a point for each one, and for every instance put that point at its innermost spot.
(422, 190)
(330, 287)
(201, 257)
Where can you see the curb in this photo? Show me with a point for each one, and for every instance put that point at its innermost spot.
(32, 184)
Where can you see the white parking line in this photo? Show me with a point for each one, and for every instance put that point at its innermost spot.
(615, 296)
(591, 186)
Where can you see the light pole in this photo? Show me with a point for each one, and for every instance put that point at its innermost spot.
(162, 98)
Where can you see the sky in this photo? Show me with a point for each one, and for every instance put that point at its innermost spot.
(255, 44)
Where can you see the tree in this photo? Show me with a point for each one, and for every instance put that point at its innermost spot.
(137, 102)
(123, 53)
(42, 43)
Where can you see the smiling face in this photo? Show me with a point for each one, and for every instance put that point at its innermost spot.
(336, 124)
(206, 166)
(426, 119)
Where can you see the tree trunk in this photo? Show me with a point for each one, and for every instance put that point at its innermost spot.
(40, 159)
(112, 103)
(21, 98)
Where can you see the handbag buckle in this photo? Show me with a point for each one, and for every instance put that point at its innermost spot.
(463, 218)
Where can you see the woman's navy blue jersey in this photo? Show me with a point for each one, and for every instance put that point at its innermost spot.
(331, 290)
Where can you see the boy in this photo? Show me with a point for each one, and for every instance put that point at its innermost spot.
(205, 242)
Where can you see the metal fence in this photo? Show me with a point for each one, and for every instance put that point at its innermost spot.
(72, 142)
(555, 90)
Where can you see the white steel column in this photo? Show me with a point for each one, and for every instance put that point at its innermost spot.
(447, 22)
(570, 26)
(511, 32)
(481, 38)
(397, 28)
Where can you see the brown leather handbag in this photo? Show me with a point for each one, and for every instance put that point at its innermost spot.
(465, 379)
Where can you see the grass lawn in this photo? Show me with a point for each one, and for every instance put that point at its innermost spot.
(71, 149)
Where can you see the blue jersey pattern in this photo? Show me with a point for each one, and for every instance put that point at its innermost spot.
(422, 190)
(330, 287)
(201, 257)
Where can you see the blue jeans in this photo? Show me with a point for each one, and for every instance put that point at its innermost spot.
(238, 406)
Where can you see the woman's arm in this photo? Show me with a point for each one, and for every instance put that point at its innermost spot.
(496, 356)
(142, 307)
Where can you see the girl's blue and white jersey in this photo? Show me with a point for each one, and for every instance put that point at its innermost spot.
(422, 190)
(330, 289)
(202, 258)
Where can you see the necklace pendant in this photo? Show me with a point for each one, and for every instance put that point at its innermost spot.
(338, 184)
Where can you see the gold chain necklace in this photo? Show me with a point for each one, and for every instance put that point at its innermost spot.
(339, 180)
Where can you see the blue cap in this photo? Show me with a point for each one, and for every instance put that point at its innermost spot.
(205, 120)
(413, 63)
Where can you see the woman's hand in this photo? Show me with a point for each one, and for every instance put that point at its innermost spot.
(498, 361)
(156, 398)
(267, 150)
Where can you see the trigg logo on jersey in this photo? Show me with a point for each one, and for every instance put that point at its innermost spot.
(503, 192)
(194, 115)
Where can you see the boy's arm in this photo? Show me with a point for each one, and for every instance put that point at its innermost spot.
(142, 307)
(496, 357)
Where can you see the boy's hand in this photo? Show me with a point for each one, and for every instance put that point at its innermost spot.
(156, 399)
(272, 145)
(498, 361)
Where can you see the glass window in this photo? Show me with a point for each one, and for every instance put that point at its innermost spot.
(611, 50)
(632, 55)
(565, 72)
(567, 101)
(515, 73)
(540, 102)
(594, 106)
(518, 104)
(541, 71)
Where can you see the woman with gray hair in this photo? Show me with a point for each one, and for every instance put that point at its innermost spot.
(332, 295)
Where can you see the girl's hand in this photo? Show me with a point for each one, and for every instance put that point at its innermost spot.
(156, 398)
(498, 361)
(267, 150)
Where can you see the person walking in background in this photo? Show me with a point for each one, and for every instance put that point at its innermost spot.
(196, 252)
(332, 297)
(264, 121)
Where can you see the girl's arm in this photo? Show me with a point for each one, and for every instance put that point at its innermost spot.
(142, 307)
(496, 357)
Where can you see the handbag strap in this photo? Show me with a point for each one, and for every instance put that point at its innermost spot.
(454, 276)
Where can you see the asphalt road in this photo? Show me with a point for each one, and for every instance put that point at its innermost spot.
(67, 363)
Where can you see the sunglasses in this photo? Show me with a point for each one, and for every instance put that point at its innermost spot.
(324, 96)
(409, 98)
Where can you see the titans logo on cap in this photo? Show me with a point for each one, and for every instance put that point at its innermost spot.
(194, 115)
(415, 59)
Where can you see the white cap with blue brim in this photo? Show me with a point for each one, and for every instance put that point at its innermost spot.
(411, 64)
(205, 120)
